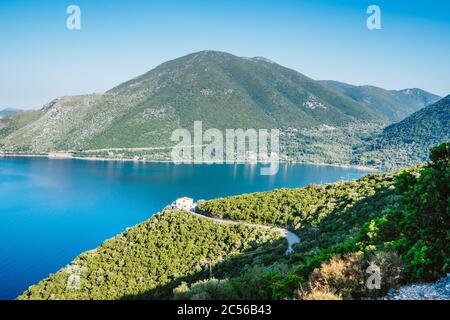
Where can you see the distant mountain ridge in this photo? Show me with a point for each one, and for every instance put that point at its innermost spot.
(9, 112)
(320, 121)
(407, 142)
(222, 90)
(394, 105)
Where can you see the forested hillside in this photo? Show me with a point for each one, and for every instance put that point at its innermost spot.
(17, 121)
(149, 260)
(398, 222)
(394, 105)
(408, 142)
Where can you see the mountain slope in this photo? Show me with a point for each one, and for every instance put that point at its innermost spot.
(164, 251)
(222, 90)
(394, 105)
(16, 121)
(9, 112)
(408, 142)
(151, 259)
(397, 221)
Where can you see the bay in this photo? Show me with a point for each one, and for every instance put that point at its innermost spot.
(53, 210)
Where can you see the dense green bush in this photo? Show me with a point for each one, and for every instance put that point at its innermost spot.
(149, 260)
(405, 213)
(419, 229)
(299, 208)
(210, 289)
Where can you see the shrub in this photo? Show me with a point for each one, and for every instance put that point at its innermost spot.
(317, 294)
(211, 289)
(346, 275)
(418, 229)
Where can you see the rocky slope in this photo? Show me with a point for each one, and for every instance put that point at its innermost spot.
(439, 290)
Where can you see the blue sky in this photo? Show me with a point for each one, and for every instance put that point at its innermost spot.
(324, 39)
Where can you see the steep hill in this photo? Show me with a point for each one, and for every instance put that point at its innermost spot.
(167, 250)
(394, 105)
(16, 121)
(397, 221)
(151, 259)
(221, 89)
(408, 142)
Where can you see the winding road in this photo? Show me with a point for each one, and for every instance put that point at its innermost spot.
(291, 237)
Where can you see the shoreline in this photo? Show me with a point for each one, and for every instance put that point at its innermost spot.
(18, 155)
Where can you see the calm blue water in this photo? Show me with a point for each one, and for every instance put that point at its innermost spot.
(52, 210)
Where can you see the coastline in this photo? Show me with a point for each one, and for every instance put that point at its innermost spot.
(66, 157)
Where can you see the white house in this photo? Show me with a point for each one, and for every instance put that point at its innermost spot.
(184, 203)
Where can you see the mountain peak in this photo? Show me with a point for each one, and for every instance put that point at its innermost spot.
(218, 88)
(211, 53)
(207, 54)
(414, 92)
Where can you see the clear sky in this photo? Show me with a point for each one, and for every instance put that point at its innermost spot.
(324, 39)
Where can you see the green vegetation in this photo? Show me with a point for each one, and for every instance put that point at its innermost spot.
(149, 260)
(327, 144)
(394, 105)
(397, 221)
(16, 121)
(320, 121)
(222, 90)
(9, 112)
(408, 142)
(419, 229)
(344, 276)
(305, 208)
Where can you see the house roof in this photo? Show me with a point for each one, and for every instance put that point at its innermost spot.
(185, 198)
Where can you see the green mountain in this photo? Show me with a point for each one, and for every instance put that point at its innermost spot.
(393, 105)
(320, 122)
(407, 142)
(9, 112)
(14, 122)
(397, 221)
(221, 89)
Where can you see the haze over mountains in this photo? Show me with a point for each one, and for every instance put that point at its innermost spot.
(222, 90)
(9, 112)
(394, 105)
